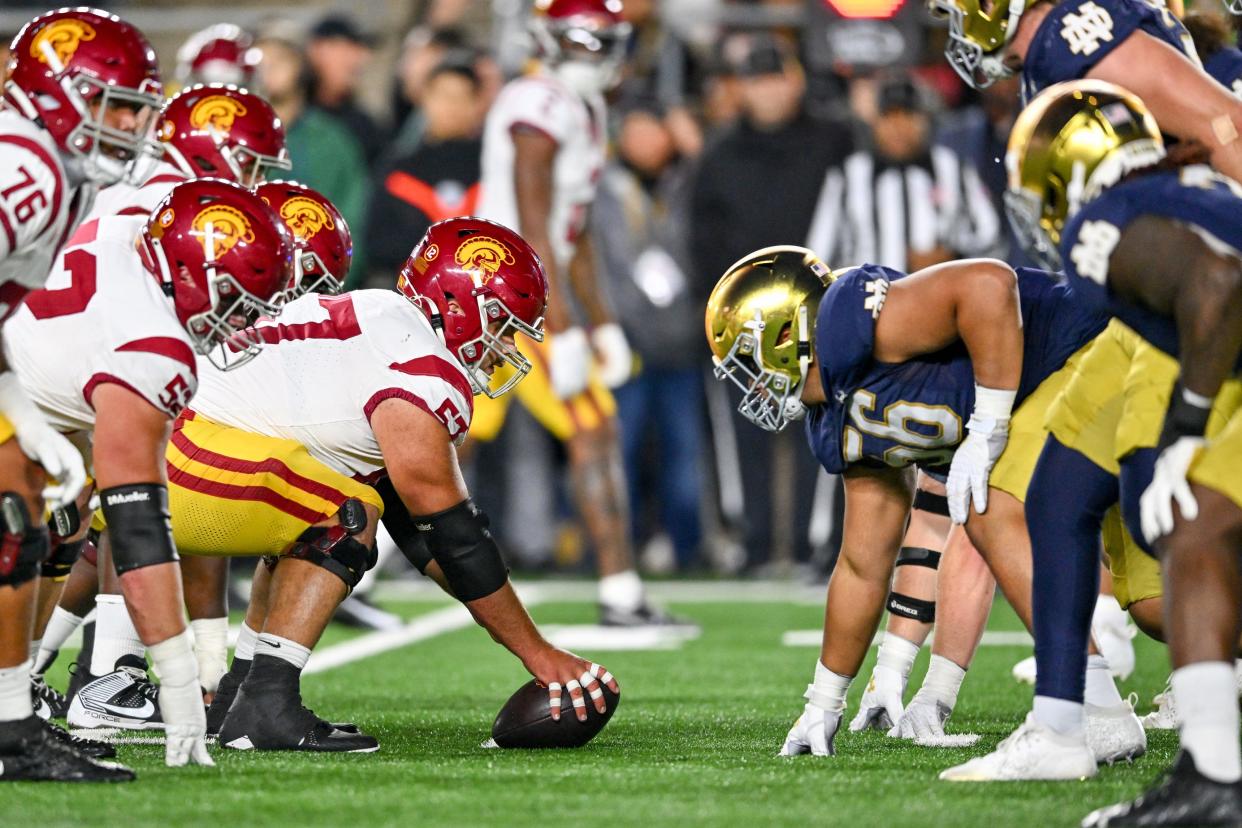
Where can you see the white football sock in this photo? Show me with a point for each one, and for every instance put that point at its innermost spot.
(15, 700)
(1059, 715)
(622, 591)
(33, 651)
(1207, 704)
(828, 690)
(62, 625)
(282, 648)
(246, 639)
(898, 654)
(115, 635)
(1108, 613)
(943, 680)
(1101, 688)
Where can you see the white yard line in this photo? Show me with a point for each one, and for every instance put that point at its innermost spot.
(991, 638)
(428, 625)
(662, 592)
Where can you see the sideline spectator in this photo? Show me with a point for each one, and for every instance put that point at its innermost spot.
(325, 155)
(640, 219)
(436, 180)
(337, 55)
(904, 203)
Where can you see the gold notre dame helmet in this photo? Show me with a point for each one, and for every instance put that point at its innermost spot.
(1073, 141)
(760, 320)
(978, 31)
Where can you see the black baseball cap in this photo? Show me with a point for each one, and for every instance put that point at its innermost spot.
(756, 54)
(900, 94)
(341, 26)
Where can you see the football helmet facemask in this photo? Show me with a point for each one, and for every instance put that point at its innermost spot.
(479, 284)
(760, 327)
(582, 42)
(979, 30)
(324, 246)
(1074, 140)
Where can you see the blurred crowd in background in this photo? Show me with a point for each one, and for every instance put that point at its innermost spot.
(836, 124)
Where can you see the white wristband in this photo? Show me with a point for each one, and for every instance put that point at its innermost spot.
(993, 403)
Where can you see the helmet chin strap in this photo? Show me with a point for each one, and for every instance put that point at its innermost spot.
(794, 408)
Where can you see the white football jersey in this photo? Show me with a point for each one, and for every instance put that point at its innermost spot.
(326, 363)
(542, 102)
(40, 204)
(125, 199)
(102, 318)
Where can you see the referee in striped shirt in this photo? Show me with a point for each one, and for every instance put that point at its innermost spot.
(904, 203)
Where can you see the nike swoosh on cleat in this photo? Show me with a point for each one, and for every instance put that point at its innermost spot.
(143, 712)
(240, 743)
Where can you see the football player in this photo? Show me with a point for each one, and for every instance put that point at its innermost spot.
(1183, 297)
(350, 416)
(953, 375)
(216, 131)
(107, 350)
(543, 151)
(81, 89)
(220, 53)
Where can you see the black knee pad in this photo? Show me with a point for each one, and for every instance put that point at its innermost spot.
(138, 525)
(23, 545)
(913, 608)
(64, 556)
(332, 548)
(918, 556)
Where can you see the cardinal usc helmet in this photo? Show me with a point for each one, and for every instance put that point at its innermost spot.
(93, 82)
(223, 131)
(222, 254)
(221, 53)
(1072, 142)
(479, 283)
(324, 246)
(760, 325)
(582, 41)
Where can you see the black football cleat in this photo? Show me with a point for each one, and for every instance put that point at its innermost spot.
(88, 747)
(80, 675)
(226, 692)
(270, 718)
(28, 753)
(645, 616)
(49, 702)
(1180, 797)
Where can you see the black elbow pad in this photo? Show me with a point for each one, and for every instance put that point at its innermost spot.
(459, 541)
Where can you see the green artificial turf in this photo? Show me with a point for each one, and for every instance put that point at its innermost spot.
(694, 743)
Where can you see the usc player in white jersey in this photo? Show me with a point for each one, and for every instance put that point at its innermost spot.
(108, 349)
(543, 152)
(350, 415)
(81, 88)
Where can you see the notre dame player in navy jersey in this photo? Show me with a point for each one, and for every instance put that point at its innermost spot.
(1138, 43)
(1212, 41)
(1154, 240)
(949, 368)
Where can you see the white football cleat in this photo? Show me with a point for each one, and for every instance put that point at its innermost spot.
(1114, 733)
(1114, 634)
(1164, 717)
(1024, 670)
(1030, 752)
(125, 698)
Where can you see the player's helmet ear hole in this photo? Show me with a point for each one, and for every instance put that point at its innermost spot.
(785, 334)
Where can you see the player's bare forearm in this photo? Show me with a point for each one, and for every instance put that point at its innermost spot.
(973, 300)
(584, 282)
(1200, 287)
(877, 504)
(533, 182)
(506, 620)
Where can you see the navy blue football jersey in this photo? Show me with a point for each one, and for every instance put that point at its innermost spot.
(1226, 67)
(1197, 196)
(916, 412)
(1078, 34)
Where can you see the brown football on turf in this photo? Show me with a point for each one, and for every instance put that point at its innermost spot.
(526, 720)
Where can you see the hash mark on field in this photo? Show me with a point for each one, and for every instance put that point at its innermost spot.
(991, 638)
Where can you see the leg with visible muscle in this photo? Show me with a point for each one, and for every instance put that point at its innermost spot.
(599, 495)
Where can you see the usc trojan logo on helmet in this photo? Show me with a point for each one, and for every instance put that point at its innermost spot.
(228, 227)
(305, 217)
(63, 37)
(216, 112)
(485, 255)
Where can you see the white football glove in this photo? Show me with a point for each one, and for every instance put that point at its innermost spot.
(616, 360)
(43, 444)
(1169, 484)
(569, 358)
(986, 438)
(813, 733)
(924, 718)
(181, 702)
(211, 650)
(880, 708)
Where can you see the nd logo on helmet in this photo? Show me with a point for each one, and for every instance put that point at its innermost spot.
(63, 37)
(483, 254)
(305, 217)
(216, 112)
(228, 227)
